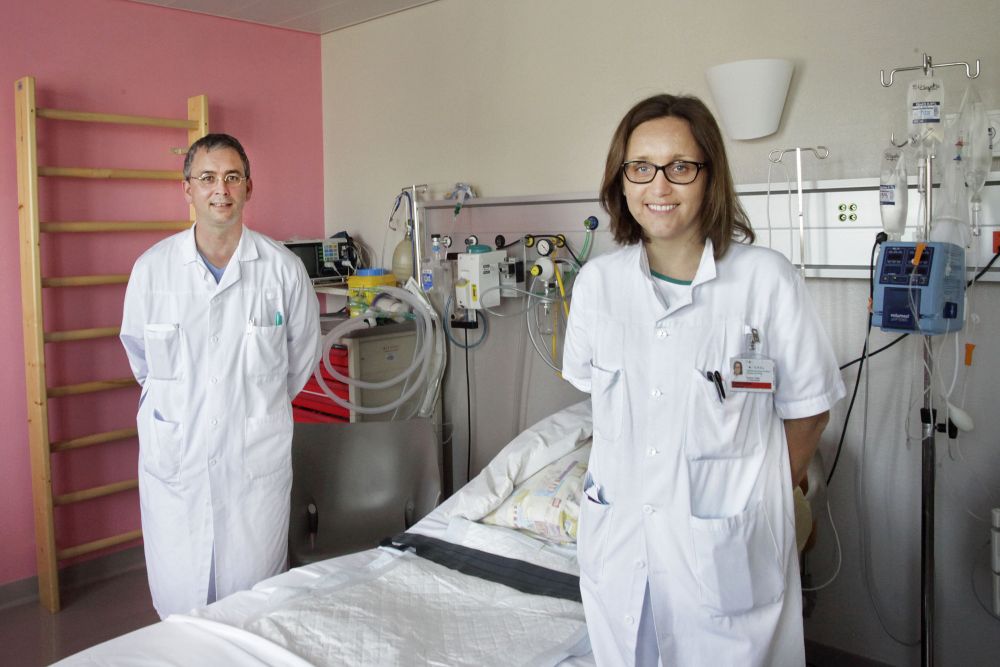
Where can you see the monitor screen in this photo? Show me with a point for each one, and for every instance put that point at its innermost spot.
(307, 253)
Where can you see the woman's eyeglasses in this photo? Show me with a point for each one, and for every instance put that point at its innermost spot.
(678, 172)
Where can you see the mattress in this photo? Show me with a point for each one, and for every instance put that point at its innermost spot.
(380, 607)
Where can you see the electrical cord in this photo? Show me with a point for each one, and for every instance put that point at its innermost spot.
(573, 254)
(840, 554)
(879, 239)
(451, 339)
(984, 270)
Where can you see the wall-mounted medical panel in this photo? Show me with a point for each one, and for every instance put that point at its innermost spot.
(840, 219)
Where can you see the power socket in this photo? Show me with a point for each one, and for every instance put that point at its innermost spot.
(847, 212)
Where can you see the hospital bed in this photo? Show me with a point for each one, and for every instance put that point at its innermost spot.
(489, 577)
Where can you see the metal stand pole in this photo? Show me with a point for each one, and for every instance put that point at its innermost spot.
(928, 462)
(928, 459)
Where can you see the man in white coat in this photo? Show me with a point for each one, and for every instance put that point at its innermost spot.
(221, 329)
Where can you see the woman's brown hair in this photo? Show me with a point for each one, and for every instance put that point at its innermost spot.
(722, 216)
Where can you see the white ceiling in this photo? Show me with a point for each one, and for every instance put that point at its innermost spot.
(316, 16)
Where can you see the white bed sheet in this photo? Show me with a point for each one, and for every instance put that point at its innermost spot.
(379, 607)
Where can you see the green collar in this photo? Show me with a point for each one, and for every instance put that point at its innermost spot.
(668, 279)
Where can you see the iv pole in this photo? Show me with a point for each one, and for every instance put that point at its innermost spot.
(925, 185)
(821, 153)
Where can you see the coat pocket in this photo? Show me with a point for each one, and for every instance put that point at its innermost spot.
(163, 351)
(161, 453)
(266, 352)
(723, 487)
(592, 533)
(721, 427)
(268, 444)
(737, 562)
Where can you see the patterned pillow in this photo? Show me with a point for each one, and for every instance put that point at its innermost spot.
(547, 504)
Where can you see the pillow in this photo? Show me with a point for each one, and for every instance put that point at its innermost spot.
(548, 503)
(530, 451)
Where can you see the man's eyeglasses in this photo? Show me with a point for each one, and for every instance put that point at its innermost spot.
(208, 180)
(679, 172)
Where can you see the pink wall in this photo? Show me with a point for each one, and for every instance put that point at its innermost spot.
(263, 86)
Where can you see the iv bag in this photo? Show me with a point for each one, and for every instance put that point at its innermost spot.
(974, 139)
(924, 105)
(893, 193)
(951, 205)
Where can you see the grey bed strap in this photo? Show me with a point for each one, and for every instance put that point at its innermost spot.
(519, 575)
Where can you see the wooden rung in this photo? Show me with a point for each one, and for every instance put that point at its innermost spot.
(85, 281)
(124, 226)
(121, 119)
(80, 334)
(93, 439)
(89, 387)
(93, 172)
(97, 545)
(94, 492)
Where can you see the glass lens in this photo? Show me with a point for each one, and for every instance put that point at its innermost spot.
(640, 172)
(681, 172)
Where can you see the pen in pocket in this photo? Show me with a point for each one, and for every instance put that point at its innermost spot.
(716, 379)
(278, 319)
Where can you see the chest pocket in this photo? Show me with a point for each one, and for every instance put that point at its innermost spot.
(266, 349)
(267, 353)
(717, 426)
(163, 351)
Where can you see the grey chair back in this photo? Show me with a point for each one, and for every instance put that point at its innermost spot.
(355, 484)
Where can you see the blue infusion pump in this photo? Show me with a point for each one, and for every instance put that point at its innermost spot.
(933, 289)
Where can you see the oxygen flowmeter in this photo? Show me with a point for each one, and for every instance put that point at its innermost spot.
(920, 287)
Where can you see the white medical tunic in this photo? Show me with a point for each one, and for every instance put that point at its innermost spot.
(218, 365)
(688, 494)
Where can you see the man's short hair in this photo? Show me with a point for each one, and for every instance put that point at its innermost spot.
(210, 142)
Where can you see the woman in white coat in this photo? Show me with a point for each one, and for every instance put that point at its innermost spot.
(687, 537)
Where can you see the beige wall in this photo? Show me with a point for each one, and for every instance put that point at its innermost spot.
(520, 97)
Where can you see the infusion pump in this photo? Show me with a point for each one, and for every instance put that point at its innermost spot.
(920, 287)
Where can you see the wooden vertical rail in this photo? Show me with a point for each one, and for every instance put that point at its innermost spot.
(197, 112)
(34, 342)
(35, 337)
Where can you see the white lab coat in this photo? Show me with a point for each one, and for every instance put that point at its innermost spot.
(685, 493)
(218, 365)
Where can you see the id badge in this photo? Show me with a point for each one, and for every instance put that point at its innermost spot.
(752, 374)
